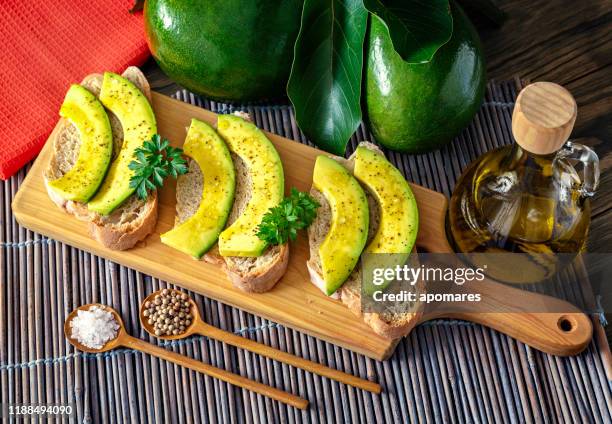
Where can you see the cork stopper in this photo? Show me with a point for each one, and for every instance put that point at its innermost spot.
(543, 117)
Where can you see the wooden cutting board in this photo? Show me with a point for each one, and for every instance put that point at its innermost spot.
(294, 301)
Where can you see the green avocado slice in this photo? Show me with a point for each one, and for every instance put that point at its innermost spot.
(267, 185)
(87, 114)
(347, 236)
(399, 215)
(200, 232)
(134, 112)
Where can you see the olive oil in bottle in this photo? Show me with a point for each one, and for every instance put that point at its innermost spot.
(528, 197)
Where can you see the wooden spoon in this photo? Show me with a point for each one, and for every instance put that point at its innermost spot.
(198, 326)
(123, 339)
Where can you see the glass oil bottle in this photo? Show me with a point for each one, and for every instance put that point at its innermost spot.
(528, 197)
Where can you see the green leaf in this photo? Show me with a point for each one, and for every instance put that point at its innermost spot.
(418, 28)
(141, 191)
(153, 162)
(325, 82)
(282, 222)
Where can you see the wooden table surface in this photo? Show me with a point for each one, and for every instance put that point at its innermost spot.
(564, 41)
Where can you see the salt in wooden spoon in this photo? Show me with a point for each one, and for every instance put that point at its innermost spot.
(123, 339)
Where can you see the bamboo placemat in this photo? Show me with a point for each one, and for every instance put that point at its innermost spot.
(444, 371)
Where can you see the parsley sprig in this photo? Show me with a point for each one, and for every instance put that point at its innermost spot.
(153, 162)
(282, 222)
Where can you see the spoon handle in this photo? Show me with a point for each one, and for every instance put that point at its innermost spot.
(236, 380)
(278, 355)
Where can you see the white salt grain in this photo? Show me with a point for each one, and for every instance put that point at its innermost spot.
(94, 327)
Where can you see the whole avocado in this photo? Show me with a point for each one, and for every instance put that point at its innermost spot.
(225, 49)
(420, 107)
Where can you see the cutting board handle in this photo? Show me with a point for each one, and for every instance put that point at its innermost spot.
(565, 330)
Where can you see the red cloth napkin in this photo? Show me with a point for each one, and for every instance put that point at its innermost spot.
(46, 45)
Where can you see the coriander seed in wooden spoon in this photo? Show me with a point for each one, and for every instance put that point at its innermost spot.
(196, 325)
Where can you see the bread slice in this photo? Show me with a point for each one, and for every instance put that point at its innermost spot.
(255, 275)
(133, 220)
(393, 323)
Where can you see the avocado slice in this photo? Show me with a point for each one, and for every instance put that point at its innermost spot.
(399, 215)
(347, 236)
(134, 112)
(87, 114)
(198, 233)
(267, 184)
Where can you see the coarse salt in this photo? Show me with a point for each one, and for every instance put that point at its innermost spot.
(94, 327)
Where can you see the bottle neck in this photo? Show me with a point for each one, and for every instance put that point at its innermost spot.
(520, 157)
